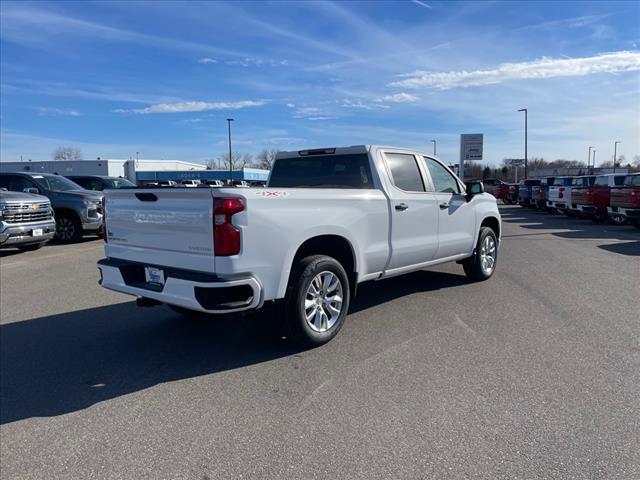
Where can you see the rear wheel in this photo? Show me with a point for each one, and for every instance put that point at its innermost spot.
(68, 227)
(636, 223)
(30, 248)
(317, 300)
(482, 264)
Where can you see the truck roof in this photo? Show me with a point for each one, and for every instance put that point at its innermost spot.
(348, 150)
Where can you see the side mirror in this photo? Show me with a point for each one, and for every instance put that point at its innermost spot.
(31, 190)
(474, 187)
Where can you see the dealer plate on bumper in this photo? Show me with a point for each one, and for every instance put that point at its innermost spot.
(154, 275)
(37, 232)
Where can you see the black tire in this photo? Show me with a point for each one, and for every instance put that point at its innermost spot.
(636, 223)
(617, 219)
(304, 273)
(31, 248)
(599, 216)
(472, 266)
(68, 227)
(185, 312)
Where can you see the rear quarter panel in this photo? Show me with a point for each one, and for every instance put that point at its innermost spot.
(278, 221)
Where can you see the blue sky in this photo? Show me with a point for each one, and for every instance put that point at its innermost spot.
(160, 78)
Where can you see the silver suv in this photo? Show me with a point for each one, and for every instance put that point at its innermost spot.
(26, 220)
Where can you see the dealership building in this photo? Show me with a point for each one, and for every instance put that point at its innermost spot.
(134, 170)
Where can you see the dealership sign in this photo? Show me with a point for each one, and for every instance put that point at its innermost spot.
(471, 146)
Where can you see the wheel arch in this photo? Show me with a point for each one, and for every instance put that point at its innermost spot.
(493, 223)
(332, 245)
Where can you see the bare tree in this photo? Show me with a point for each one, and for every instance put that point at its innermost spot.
(238, 160)
(266, 158)
(67, 154)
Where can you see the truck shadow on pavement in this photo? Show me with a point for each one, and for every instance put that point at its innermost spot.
(63, 363)
(68, 362)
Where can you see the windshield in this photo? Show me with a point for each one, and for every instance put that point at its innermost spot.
(56, 183)
(118, 183)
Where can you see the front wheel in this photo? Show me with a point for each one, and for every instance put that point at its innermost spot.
(482, 264)
(317, 300)
(68, 227)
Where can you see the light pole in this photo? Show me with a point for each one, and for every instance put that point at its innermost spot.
(229, 120)
(594, 160)
(589, 159)
(615, 154)
(526, 161)
(434, 147)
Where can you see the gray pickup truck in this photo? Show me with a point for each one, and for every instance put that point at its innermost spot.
(77, 210)
(26, 220)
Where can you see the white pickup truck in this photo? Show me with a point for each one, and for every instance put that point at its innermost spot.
(328, 220)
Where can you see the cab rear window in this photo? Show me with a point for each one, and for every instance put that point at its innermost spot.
(322, 171)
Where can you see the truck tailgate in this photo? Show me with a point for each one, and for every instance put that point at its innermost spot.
(168, 226)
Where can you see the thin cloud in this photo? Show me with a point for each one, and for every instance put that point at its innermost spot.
(181, 107)
(398, 98)
(422, 4)
(58, 111)
(623, 61)
(359, 104)
(207, 60)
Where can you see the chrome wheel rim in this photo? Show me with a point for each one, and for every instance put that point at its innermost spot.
(618, 219)
(323, 301)
(65, 229)
(488, 254)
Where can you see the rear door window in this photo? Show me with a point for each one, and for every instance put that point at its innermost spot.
(405, 172)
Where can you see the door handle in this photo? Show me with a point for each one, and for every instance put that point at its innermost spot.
(444, 206)
(401, 207)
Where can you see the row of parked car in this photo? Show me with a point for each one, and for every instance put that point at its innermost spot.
(613, 197)
(37, 207)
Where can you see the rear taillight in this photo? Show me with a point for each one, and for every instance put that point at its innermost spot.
(589, 195)
(561, 192)
(226, 237)
(635, 198)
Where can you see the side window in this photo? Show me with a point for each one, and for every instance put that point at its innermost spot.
(618, 181)
(94, 184)
(83, 182)
(4, 181)
(405, 173)
(18, 184)
(443, 181)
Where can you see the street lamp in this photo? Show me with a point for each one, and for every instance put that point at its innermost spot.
(434, 146)
(594, 160)
(589, 158)
(229, 120)
(615, 154)
(526, 162)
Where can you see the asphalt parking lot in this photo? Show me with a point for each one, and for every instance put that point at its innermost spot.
(532, 374)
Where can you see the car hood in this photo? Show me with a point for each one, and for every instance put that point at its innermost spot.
(81, 194)
(6, 196)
